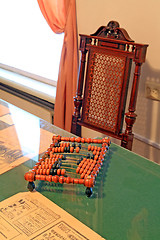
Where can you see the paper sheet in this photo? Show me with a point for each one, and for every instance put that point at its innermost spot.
(13, 152)
(32, 216)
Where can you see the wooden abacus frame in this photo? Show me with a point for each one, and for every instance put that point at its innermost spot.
(48, 168)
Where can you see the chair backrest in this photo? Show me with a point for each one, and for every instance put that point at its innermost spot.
(106, 59)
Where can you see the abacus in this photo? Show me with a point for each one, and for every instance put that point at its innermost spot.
(67, 157)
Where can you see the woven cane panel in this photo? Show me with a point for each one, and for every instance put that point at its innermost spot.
(104, 84)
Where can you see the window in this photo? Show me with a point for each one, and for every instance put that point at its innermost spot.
(27, 43)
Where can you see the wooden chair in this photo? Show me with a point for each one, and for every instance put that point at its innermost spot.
(104, 76)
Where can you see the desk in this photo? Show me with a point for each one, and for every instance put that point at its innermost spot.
(126, 197)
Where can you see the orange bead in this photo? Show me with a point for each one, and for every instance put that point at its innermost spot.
(43, 177)
(92, 148)
(77, 149)
(61, 179)
(49, 178)
(68, 180)
(82, 140)
(71, 149)
(63, 172)
(76, 180)
(78, 139)
(29, 176)
(81, 170)
(89, 182)
(58, 171)
(78, 169)
(72, 139)
(81, 181)
(55, 179)
(38, 177)
(89, 147)
(82, 175)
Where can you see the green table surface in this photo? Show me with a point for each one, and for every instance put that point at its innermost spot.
(125, 200)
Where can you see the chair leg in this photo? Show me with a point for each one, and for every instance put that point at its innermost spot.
(76, 128)
(127, 141)
(127, 136)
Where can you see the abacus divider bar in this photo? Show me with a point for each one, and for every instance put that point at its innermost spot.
(31, 176)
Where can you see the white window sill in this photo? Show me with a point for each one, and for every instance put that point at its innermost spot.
(28, 85)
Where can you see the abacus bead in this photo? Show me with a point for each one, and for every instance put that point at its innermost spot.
(78, 139)
(91, 168)
(89, 182)
(81, 181)
(92, 148)
(88, 140)
(61, 179)
(94, 152)
(43, 178)
(29, 176)
(82, 140)
(58, 171)
(80, 165)
(82, 175)
(68, 180)
(71, 149)
(55, 149)
(77, 149)
(78, 169)
(85, 170)
(63, 172)
(81, 170)
(72, 139)
(89, 147)
(49, 178)
(38, 177)
(48, 172)
(59, 149)
(76, 180)
(95, 157)
(55, 179)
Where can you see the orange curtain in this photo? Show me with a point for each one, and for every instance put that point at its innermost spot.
(61, 17)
